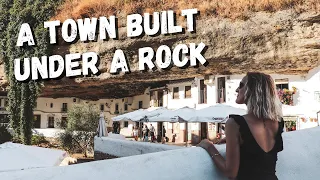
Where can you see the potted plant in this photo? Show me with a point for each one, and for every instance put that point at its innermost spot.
(291, 125)
(286, 96)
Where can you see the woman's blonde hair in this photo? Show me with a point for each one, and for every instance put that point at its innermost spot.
(261, 97)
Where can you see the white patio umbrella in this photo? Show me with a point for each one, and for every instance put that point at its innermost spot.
(178, 115)
(102, 126)
(216, 113)
(130, 115)
(127, 116)
(145, 117)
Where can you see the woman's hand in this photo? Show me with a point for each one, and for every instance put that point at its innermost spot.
(205, 144)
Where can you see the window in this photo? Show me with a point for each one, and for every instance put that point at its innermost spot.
(74, 100)
(187, 92)
(125, 107)
(5, 102)
(282, 86)
(176, 93)
(140, 104)
(64, 107)
(101, 107)
(51, 122)
(116, 111)
(282, 83)
(317, 96)
(51, 105)
(126, 123)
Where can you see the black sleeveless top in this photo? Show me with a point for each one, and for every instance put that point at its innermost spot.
(255, 163)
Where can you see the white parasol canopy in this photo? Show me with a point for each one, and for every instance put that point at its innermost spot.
(216, 113)
(178, 115)
(145, 117)
(102, 126)
(128, 116)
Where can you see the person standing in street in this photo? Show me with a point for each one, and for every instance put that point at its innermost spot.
(164, 136)
(146, 134)
(152, 133)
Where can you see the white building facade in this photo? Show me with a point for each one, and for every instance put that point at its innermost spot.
(198, 92)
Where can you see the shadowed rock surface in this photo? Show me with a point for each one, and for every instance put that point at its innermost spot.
(282, 42)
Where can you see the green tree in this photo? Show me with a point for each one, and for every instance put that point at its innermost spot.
(83, 120)
(22, 96)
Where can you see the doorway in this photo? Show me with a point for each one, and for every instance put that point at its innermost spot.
(64, 122)
(116, 127)
(160, 98)
(159, 131)
(221, 89)
(51, 122)
(37, 121)
(204, 130)
(203, 93)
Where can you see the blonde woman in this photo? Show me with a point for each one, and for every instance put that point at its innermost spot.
(253, 140)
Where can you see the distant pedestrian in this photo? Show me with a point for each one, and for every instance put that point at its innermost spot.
(152, 131)
(164, 135)
(146, 134)
(144, 131)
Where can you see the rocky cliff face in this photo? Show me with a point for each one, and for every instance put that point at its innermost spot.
(283, 42)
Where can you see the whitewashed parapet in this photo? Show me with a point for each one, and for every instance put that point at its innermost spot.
(300, 160)
(122, 148)
(184, 164)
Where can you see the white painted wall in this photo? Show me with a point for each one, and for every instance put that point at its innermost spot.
(182, 101)
(306, 86)
(115, 136)
(45, 110)
(123, 148)
(48, 132)
(299, 160)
